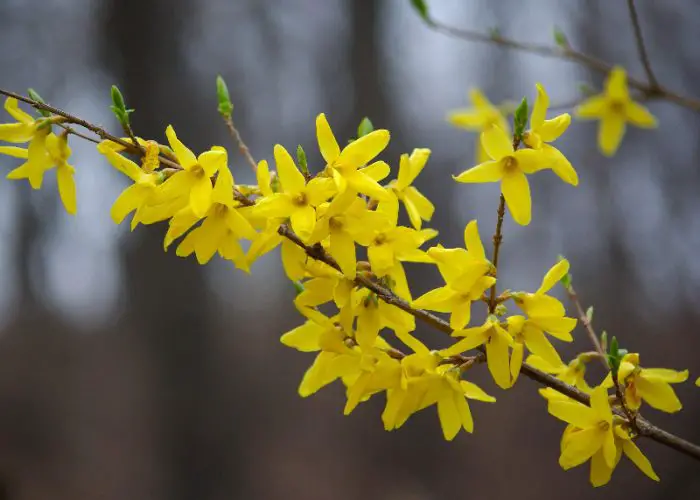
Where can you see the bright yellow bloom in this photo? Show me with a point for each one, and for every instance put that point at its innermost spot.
(543, 131)
(573, 373)
(652, 385)
(373, 314)
(509, 167)
(601, 472)
(418, 207)
(464, 272)
(221, 229)
(345, 165)
(497, 341)
(343, 222)
(140, 193)
(596, 429)
(425, 382)
(46, 152)
(479, 117)
(390, 244)
(26, 126)
(594, 434)
(268, 238)
(297, 200)
(614, 108)
(194, 180)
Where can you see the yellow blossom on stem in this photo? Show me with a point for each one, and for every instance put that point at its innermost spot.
(480, 116)
(652, 385)
(614, 108)
(497, 341)
(418, 207)
(464, 272)
(343, 222)
(508, 166)
(297, 200)
(543, 131)
(194, 180)
(346, 165)
(424, 382)
(221, 229)
(137, 196)
(26, 126)
(373, 314)
(572, 373)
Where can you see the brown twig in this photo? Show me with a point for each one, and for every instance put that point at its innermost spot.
(497, 240)
(242, 147)
(317, 252)
(648, 89)
(641, 47)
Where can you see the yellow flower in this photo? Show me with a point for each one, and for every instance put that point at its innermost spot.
(594, 434)
(268, 238)
(46, 152)
(572, 373)
(479, 117)
(220, 231)
(544, 311)
(652, 385)
(373, 314)
(464, 272)
(497, 341)
(26, 126)
(418, 207)
(343, 222)
(543, 131)
(425, 382)
(614, 108)
(508, 166)
(140, 193)
(194, 180)
(345, 165)
(298, 200)
(595, 424)
(389, 244)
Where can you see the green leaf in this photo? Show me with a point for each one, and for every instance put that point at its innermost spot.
(301, 160)
(225, 104)
(520, 118)
(34, 95)
(604, 341)
(119, 109)
(118, 98)
(421, 7)
(614, 356)
(298, 286)
(560, 38)
(589, 314)
(364, 128)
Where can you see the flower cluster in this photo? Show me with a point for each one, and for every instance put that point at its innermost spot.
(343, 244)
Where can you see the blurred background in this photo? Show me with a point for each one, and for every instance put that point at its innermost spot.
(129, 373)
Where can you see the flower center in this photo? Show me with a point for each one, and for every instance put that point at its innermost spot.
(220, 210)
(617, 107)
(510, 164)
(380, 239)
(300, 200)
(335, 223)
(198, 171)
(603, 425)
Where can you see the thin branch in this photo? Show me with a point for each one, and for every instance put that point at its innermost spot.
(650, 90)
(242, 148)
(497, 240)
(317, 252)
(641, 47)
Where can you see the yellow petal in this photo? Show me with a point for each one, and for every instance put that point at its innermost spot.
(186, 157)
(637, 457)
(292, 180)
(553, 276)
(473, 337)
(539, 110)
(490, 171)
(262, 174)
(223, 187)
(601, 472)
(381, 257)
(497, 360)
(561, 165)
(440, 300)
(212, 161)
(600, 404)
(342, 249)
(449, 416)
(472, 241)
(124, 165)
(16, 132)
(66, 188)
(363, 150)
(125, 203)
(580, 446)
(304, 338)
(421, 207)
(538, 344)
(496, 142)
(326, 140)
(303, 221)
(364, 184)
(200, 196)
(516, 361)
(13, 109)
(473, 391)
(552, 129)
(516, 191)
(574, 413)
(610, 133)
(377, 170)
(665, 375)
(14, 152)
(293, 258)
(639, 115)
(593, 107)
(461, 314)
(659, 395)
(616, 84)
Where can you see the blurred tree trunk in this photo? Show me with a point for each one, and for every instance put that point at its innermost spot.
(144, 45)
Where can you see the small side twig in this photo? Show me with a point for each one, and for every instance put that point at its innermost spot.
(641, 47)
(242, 147)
